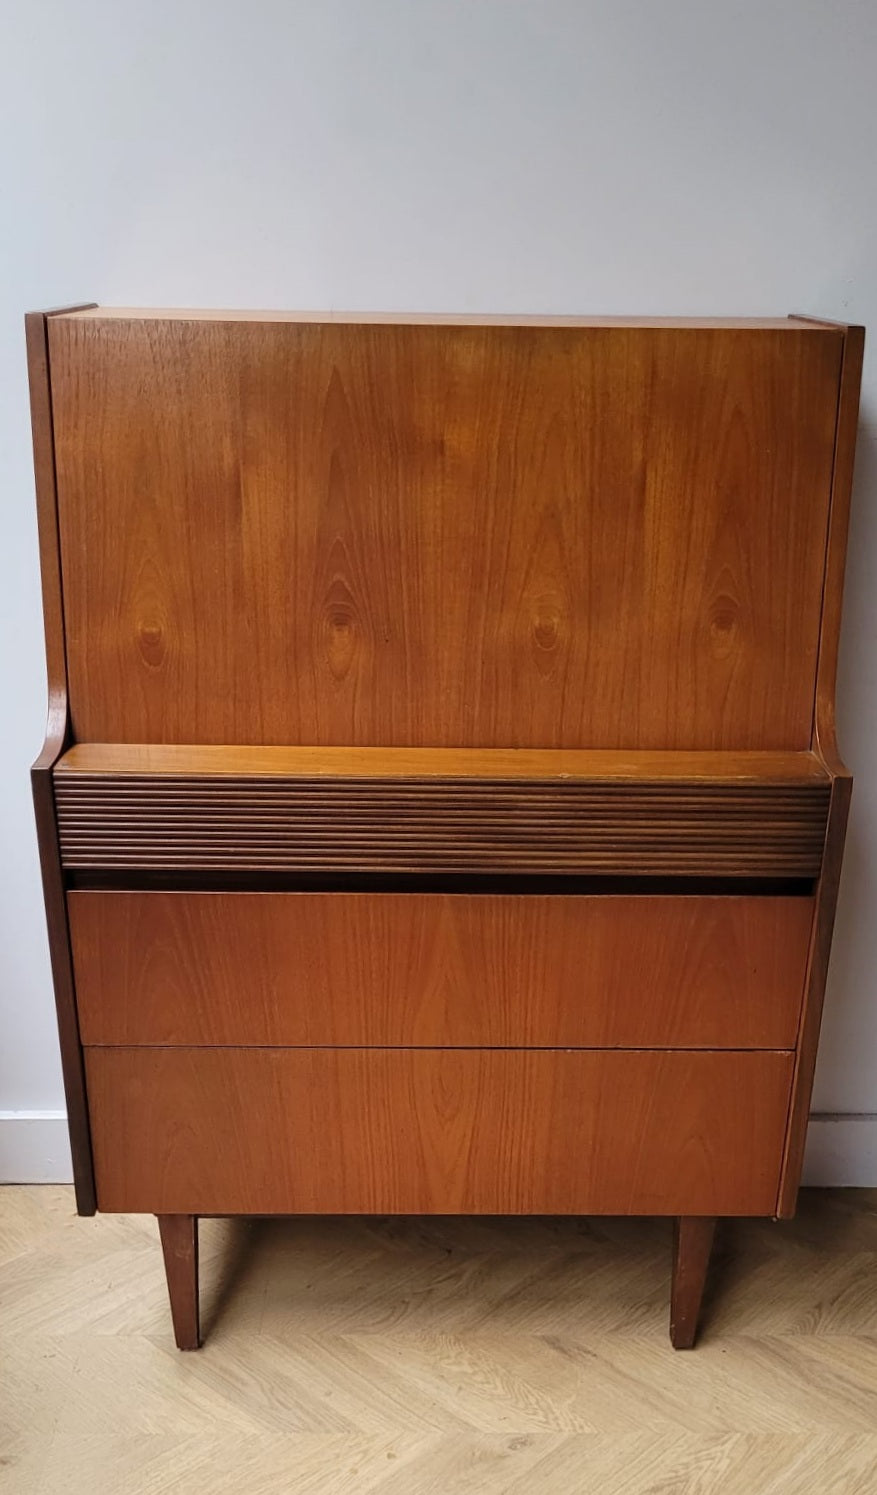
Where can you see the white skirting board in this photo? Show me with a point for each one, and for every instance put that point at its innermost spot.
(34, 1148)
(841, 1149)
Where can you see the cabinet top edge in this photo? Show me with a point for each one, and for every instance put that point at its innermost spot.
(173, 759)
(446, 319)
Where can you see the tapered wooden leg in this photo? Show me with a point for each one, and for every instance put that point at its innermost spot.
(179, 1242)
(692, 1244)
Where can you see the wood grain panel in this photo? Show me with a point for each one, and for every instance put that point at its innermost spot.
(708, 827)
(443, 535)
(421, 1131)
(191, 760)
(439, 970)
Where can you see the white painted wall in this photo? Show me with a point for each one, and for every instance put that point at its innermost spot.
(479, 155)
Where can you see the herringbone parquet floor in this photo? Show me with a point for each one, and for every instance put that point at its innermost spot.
(437, 1357)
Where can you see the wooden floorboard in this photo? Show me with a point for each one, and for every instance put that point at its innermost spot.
(437, 1357)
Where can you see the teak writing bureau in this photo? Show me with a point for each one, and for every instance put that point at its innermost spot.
(440, 807)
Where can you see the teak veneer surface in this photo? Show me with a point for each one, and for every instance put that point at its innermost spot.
(442, 535)
(204, 761)
(439, 970)
(448, 1131)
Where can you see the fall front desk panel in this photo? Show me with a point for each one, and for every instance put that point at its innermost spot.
(418, 1053)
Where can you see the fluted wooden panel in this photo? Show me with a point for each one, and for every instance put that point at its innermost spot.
(474, 825)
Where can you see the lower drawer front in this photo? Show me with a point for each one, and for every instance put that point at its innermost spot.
(423, 1131)
(439, 970)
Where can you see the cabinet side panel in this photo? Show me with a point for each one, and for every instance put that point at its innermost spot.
(817, 975)
(825, 743)
(36, 324)
(824, 723)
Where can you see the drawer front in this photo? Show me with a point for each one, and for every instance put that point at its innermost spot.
(439, 970)
(228, 1131)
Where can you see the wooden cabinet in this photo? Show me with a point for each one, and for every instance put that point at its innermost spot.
(440, 808)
